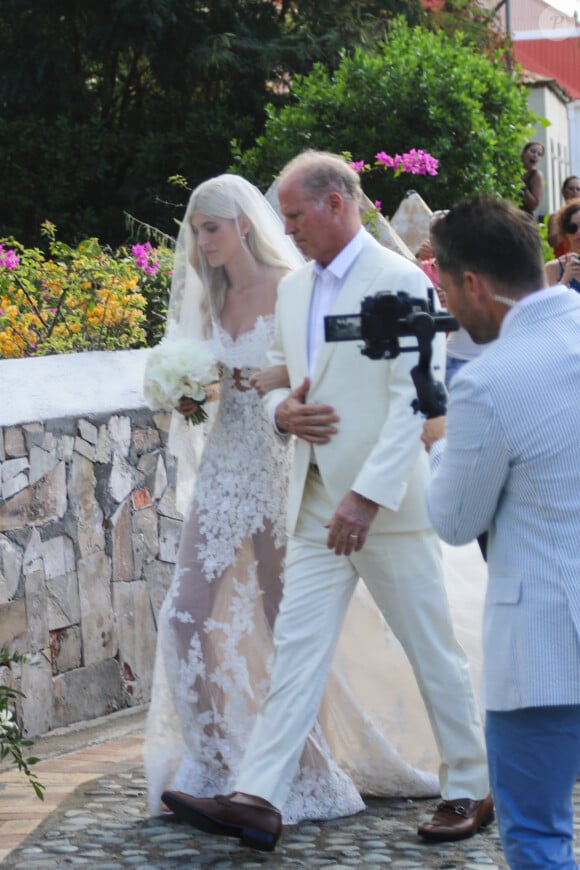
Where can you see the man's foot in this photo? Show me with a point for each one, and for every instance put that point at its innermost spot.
(458, 819)
(255, 821)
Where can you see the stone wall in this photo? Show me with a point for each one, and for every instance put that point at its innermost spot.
(88, 540)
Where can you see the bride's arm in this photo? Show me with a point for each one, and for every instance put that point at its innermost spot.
(270, 379)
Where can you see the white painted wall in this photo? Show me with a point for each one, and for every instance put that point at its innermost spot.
(574, 126)
(555, 138)
(70, 385)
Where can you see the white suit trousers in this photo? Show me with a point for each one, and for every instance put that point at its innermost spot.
(403, 572)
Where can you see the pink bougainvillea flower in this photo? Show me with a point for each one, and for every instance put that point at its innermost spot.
(386, 159)
(145, 258)
(416, 162)
(141, 250)
(357, 165)
(9, 258)
(377, 204)
(419, 162)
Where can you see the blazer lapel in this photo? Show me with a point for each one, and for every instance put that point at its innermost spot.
(297, 313)
(359, 278)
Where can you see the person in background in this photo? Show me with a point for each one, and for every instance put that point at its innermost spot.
(532, 180)
(565, 269)
(570, 190)
(507, 459)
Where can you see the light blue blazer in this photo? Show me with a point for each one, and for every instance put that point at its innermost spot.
(511, 464)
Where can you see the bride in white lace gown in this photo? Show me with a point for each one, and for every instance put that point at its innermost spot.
(215, 650)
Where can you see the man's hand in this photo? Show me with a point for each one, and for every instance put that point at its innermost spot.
(433, 430)
(313, 423)
(349, 527)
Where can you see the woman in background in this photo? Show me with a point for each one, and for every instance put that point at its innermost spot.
(532, 180)
(566, 268)
(570, 190)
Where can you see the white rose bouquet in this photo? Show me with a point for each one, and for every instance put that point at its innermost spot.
(177, 368)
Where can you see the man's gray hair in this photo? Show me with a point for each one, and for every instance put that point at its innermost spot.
(322, 172)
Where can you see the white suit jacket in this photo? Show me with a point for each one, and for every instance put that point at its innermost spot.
(511, 464)
(377, 451)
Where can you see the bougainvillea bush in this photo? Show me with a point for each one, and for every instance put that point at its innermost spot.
(80, 298)
(417, 88)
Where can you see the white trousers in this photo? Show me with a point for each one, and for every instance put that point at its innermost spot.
(404, 574)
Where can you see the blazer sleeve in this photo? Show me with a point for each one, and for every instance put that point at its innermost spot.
(470, 467)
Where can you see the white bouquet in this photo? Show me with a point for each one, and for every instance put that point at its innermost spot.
(177, 368)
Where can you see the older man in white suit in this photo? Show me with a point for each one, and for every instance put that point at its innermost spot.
(510, 463)
(356, 507)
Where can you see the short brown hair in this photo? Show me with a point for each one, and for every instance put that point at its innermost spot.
(490, 236)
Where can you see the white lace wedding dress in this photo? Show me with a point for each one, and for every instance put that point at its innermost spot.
(214, 651)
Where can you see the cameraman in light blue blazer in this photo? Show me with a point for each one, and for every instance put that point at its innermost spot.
(507, 459)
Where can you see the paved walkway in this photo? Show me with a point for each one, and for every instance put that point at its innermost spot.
(94, 815)
(71, 757)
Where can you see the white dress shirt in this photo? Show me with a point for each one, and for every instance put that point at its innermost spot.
(327, 286)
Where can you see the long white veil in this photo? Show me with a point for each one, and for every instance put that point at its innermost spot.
(198, 290)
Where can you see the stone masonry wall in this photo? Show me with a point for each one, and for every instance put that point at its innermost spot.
(88, 540)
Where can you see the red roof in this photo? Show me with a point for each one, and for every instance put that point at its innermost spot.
(558, 59)
(545, 40)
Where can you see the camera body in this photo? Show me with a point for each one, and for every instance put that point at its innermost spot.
(383, 320)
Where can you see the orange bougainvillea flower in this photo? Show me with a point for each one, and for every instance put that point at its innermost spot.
(75, 299)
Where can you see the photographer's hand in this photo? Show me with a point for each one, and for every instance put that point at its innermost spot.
(349, 527)
(313, 423)
(433, 430)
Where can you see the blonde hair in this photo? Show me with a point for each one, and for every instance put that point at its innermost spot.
(227, 197)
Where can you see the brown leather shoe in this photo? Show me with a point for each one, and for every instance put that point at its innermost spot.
(258, 825)
(458, 819)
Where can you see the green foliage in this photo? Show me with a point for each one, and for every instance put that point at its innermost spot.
(80, 298)
(480, 23)
(102, 100)
(12, 743)
(547, 249)
(323, 30)
(419, 89)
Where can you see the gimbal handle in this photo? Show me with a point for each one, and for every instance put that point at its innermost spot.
(431, 394)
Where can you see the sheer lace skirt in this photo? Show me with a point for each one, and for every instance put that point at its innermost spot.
(212, 674)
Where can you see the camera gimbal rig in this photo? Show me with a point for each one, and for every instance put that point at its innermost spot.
(384, 319)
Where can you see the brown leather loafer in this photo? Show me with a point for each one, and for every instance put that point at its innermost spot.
(458, 819)
(258, 825)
